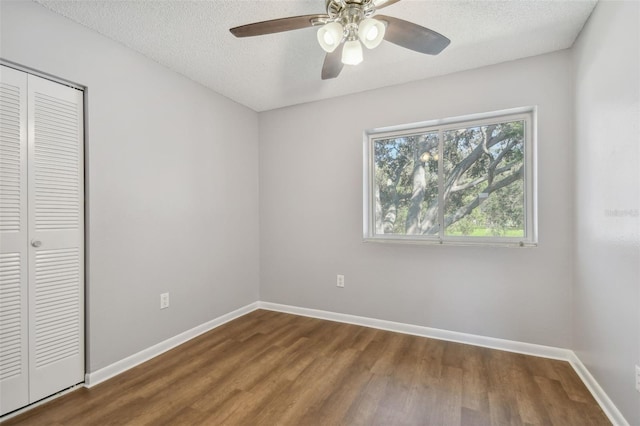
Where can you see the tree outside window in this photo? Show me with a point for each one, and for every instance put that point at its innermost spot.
(464, 181)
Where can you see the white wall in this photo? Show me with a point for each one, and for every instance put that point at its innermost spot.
(311, 211)
(171, 181)
(607, 236)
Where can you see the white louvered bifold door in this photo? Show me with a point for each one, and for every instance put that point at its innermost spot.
(14, 251)
(56, 237)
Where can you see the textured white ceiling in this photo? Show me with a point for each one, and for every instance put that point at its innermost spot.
(272, 71)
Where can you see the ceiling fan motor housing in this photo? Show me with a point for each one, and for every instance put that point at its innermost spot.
(336, 8)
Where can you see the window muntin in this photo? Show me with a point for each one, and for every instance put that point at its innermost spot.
(472, 174)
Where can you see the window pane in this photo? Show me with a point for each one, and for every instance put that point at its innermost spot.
(484, 180)
(406, 185)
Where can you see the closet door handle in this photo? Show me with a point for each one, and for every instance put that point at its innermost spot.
(36, 243)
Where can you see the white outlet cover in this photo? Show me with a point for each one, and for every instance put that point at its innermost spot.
(638, 378)
(164, 300)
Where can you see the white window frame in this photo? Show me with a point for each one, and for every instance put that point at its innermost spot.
(526, 114)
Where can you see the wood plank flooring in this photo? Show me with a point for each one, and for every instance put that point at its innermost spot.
(269, 368)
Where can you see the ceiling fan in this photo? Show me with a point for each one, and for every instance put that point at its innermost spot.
(349, 24)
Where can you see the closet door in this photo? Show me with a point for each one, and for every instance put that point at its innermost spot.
(56, 237)
(14, 251)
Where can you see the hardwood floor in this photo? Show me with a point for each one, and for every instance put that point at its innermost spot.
(269, 368)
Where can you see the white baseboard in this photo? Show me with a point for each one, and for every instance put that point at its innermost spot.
(92, 379)
(434, 333)
(568, 355)
(609, 408)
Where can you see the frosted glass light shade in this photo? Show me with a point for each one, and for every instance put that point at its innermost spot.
(352, 53)
(371, 32)
(330, 36)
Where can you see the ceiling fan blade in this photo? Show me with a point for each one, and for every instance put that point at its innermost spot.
(413, 36)
(277, 25)
(332, 64)
(379, 4)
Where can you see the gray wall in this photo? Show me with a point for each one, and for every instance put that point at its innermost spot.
(172, 186)
(607, 236)
(311, 211)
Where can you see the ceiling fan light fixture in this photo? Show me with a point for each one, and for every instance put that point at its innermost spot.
(352, 52)
(346, 25)
(371, 32)
(330, 36)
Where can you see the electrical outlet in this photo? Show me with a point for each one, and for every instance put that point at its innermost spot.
(340, 281)
(638, 378)
(164, 300)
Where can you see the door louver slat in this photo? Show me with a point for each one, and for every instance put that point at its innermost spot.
(56, 317)
(57, 179)
(10, 157)
(10, 321)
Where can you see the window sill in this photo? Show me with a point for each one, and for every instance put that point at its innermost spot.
(450, 242)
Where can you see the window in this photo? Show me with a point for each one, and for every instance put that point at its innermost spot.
(466, 180)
